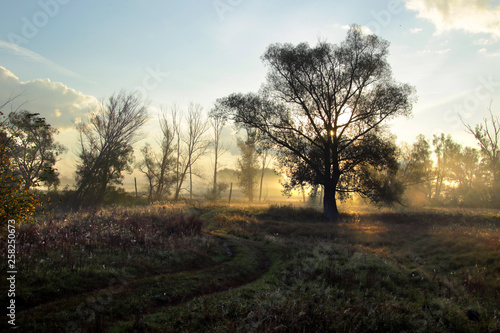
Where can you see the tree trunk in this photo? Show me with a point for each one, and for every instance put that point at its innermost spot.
(330, 210)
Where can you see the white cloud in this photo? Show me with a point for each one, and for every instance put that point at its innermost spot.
(483, 51)
(56, 102)
(476, 16)
(415, 30)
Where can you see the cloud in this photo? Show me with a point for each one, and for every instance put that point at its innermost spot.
(486, 53)
(60, 105)
(476, 16)
(415, 30)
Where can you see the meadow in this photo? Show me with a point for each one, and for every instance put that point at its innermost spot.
(240, 268)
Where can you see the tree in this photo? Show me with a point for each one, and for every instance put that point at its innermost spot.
(149, 168)
(447, 154)
(16, 202)
(34, 149)
(324, 108)
(165, 164)
(158, 169)
(218, 119)
(487, 135)
(247, 166)
(106, 146)
(195, 146)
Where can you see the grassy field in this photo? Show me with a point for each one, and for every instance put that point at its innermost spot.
(237, 268)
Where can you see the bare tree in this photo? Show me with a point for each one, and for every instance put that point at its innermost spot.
(195, 146)
(149, 168)
(218, 118)
(166, 162)
(106, 146)
(487, 135)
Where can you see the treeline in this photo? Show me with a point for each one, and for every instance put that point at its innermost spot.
(431, 171)
(106, 152)
(440, 171)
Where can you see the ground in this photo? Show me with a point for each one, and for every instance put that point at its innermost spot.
(219, 268)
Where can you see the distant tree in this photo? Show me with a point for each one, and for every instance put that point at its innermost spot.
(106, 146)
(487, 135)
(247, 166)
(447, 153)
(159, 168)
(34, 149)
(166, 163)
(218, 118)
(195, 146)
(149, 168)
(264, 154)
(324, 108)
(416, 166)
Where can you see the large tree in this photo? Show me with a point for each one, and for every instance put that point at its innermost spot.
(324, 107)
(106, 146)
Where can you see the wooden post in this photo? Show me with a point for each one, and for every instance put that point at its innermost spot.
(135, 183)
(230, 192)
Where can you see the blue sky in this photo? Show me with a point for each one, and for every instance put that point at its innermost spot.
(65, 54)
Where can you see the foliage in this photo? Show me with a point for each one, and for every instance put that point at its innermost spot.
(34, 149)
(446, 173)
(16, 201)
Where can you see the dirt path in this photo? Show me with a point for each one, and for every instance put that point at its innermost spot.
(98, 310)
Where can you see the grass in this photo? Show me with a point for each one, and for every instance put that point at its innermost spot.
(261, 269)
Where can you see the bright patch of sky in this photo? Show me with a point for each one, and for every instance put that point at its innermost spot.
(66, 54)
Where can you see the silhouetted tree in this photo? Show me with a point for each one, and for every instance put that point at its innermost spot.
(324, 108)
(106, 146)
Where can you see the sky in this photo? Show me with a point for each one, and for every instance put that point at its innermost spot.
(64, 56)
